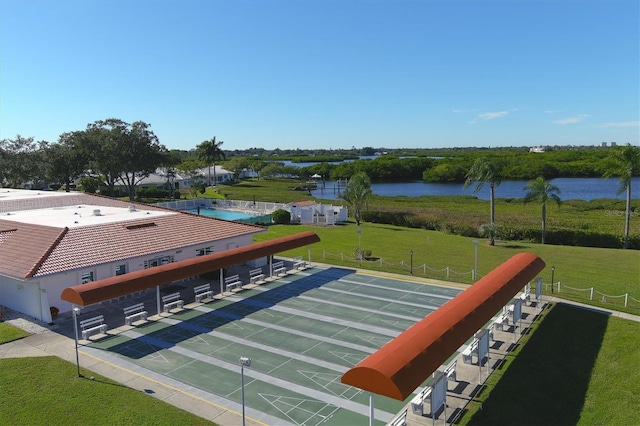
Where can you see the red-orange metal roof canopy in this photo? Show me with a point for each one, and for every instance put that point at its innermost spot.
(112, 287)
(401, 365)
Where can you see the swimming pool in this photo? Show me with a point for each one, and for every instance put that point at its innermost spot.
(233, 215)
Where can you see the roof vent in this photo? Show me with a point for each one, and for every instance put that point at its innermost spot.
(96, 212)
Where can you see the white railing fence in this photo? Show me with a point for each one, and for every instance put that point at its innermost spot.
(448, 273)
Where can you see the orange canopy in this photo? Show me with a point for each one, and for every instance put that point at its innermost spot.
(401, 365)
(112, 287)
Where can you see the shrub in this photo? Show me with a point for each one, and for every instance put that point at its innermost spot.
(281, 217)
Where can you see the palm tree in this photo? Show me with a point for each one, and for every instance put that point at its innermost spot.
(626, 163)
(209, 152)
(485, 171)
(356, 193)
(542, 191)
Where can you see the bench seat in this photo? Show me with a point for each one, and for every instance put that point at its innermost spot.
(135, 313)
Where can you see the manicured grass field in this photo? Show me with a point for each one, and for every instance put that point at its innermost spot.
(47, 391)
(577, 366)
(9, 333)
(613, 272)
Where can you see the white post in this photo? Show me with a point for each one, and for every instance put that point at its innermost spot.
(309, 254)
(76, 312)
(243, 362)
(626, 299)
(371, 410)
(158, 300)
(475, 263)
(591, 294)
(221, 279)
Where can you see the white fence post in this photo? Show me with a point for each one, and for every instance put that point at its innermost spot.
(591, 295)
(447, 272)
(626, 299)
(558, 286)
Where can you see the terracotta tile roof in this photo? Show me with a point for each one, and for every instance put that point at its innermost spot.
(23, 246)
(29, 250)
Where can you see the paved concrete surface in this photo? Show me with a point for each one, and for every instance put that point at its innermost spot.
(60, 342)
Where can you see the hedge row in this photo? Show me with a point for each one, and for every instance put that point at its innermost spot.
(566, 237)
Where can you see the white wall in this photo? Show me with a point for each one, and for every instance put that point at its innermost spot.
(25, 297)
(54, 284)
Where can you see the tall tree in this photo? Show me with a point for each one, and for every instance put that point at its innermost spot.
(209, 151)
(125, 152)
(625, 163)
(66, 160)
(17, 161)
(542, 191)
(484, 171)
(356, 193)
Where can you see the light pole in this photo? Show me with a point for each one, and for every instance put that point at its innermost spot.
(359, 231)
(475, 261)
(411, 262)
(244, 362)
(553, 271)
(76, 312)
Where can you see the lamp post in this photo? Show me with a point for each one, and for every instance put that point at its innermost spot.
(244, 362)
(76, 312)
(475, 261)
(411, 262)
(359, 231)
(553, 271)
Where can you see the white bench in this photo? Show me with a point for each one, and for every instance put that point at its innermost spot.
(255, 275)
(469, 351)
(401, 420)
(232, 282)
(203, 292)
(172, 301)
(502, 320)
(526, 294)
(417, 402)
(299, 263)
(134, 313)
(450, 371)
(279, 268)
(93, 324)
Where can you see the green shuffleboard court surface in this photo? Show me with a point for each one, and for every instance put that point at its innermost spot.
(302, 333)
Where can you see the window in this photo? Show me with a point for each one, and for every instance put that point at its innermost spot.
(87, 277)
(158, 261)
(204, 251)
(121, 269)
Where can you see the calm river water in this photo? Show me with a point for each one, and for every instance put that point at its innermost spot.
(570, 188)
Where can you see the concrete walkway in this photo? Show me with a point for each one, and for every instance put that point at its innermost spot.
(57, 343)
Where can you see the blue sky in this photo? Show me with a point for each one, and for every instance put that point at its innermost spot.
(326, 73)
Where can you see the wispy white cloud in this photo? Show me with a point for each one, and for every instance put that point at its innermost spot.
(622, 124)
(552, 111)
(489, 116)
(572, 120)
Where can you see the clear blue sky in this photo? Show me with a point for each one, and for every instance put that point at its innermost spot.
(326, 73)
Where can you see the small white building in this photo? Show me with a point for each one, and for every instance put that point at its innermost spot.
(310, 212)
(53, 240)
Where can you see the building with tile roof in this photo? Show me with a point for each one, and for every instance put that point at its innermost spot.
(53, 240)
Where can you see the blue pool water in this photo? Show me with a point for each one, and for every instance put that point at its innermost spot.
(233, 215)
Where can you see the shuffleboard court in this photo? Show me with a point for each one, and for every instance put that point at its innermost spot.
(302, 332)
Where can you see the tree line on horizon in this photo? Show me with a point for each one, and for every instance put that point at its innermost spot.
(112, 151)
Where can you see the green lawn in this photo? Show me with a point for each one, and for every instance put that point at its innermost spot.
(611, 271)
(9, 333)
(47, 391)
(577, 367)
